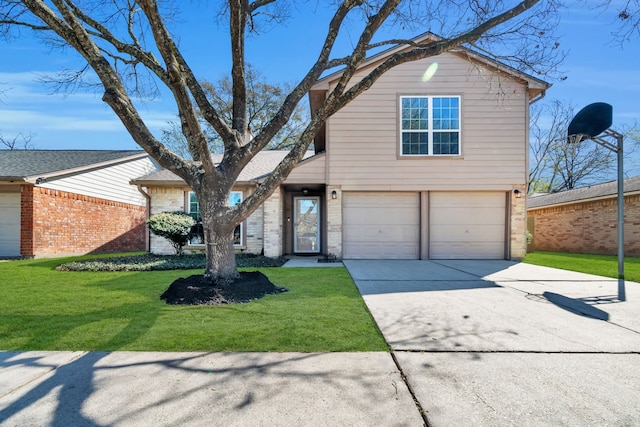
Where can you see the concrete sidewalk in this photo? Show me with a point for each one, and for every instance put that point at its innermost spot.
(198, 389)
(503, 343)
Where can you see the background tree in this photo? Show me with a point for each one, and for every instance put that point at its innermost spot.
(628, 12)
(125, 42)
(18, 142)
(555, 164)
(263, 101)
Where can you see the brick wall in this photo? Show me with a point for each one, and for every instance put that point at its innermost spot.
(56, 223)
(589, 227)
(518, 224)
(164, 199)
(171, 199)
(273, 207)
(334, 221)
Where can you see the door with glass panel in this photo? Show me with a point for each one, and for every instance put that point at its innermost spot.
(306, 224)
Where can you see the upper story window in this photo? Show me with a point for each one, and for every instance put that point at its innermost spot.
(197, 232)
(430, 125)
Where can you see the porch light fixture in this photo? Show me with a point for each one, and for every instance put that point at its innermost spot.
(517, 193)
(305, 191)
(334, 194)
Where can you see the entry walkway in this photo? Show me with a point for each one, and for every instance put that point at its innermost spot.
(505, 343)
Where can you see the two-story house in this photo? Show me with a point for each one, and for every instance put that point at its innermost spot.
(429, 163)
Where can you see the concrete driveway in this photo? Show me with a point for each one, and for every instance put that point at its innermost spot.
(505, 343)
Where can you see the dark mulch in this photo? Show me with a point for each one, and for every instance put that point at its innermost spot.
(194, 290)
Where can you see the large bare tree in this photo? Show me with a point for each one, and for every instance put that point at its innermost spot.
(119, 40)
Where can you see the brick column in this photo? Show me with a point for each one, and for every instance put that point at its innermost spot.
(518, 222)
(272, 238)
(26, 221)
(334, 221)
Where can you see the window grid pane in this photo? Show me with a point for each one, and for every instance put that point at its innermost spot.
(415, 143)
(415, 114)
(445, 143)
(444, 129)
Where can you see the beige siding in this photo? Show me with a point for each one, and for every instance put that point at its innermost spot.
(109, 183)
(363, 137)
(310, 171)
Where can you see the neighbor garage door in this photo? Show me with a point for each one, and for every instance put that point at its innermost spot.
(380, 226)
(467, 225)
(9, 224)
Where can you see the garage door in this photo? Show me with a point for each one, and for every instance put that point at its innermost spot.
(467, 225)
(380, 226)
(9, 224)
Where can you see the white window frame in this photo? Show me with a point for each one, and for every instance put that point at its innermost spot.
(232, 196)
(429, 131)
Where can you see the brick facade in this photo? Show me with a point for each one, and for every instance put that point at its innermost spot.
(518, 226)
(171, 199)
(273, 207)
(58, 223)
(334, 221)
(587, 227)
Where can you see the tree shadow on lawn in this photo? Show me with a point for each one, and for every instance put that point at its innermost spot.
(74, 381)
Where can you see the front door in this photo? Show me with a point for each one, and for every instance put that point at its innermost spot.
(306, 225)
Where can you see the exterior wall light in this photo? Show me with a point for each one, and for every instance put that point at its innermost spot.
(334, 194)
(517, 193)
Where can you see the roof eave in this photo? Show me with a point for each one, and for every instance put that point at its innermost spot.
(584, 200)
(33, 178)
(538, 85)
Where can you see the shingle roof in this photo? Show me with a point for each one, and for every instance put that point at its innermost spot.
(31, 163)
(581, 194)
(262, 164)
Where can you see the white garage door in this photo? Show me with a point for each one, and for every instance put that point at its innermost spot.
(9, 224)
(467, 225)
(380, 226)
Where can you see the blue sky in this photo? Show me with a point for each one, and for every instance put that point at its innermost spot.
(597, 70)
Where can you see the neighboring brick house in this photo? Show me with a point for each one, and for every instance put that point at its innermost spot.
(70, 202)
(584, 220)
(414, 168)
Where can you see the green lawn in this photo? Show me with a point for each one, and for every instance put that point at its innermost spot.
(45, 309)
(600, 265)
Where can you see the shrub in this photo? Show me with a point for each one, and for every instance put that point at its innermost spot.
(173, 226)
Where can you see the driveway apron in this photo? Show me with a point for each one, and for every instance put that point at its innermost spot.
(506, 343)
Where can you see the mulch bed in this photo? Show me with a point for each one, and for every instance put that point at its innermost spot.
(194, 290)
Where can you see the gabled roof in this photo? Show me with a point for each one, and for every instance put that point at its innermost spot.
(260, 166)
(28, 165)
(533, 82)
(594, 192)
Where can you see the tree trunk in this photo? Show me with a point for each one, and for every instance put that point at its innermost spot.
(221, 261)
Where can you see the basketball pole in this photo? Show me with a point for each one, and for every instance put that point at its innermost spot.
(618, 148)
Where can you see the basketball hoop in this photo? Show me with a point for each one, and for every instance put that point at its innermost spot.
(576, 138)
(589, 123)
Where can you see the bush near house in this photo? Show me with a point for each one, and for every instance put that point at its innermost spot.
(173, 226)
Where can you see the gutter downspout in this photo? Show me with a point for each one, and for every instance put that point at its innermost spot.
(147, 239)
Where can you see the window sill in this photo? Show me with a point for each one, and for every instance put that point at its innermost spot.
(427, 156)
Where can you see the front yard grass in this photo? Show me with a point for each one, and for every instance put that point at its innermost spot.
(600, 265)
(45, 309)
